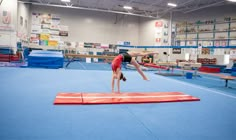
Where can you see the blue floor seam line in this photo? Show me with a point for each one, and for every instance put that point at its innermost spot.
(199, 87)
(82, 66)
(127, 108)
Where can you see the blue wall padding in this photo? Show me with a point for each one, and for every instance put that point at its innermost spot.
(45, 59)
(6, 51)
(99, 59)
(233, 74)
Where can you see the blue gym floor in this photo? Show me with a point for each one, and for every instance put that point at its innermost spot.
(28, 113)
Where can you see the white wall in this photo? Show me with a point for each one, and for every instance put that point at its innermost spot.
(91, 26)
(23, 11)
(11, 6)
(8, 38)
(147, 32)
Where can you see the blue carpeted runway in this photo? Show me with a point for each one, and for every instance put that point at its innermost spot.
(28, 113)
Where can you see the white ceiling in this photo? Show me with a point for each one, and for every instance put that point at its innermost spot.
(146, 8)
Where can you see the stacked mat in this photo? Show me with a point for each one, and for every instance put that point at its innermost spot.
(6, 54)
(45, 59)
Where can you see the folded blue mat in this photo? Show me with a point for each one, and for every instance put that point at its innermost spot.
(47, 59)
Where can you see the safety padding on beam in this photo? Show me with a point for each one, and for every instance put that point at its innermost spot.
(122, 98)
(68, 98)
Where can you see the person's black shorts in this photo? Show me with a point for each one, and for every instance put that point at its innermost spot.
(126, 57)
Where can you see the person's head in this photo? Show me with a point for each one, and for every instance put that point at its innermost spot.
(122, 77)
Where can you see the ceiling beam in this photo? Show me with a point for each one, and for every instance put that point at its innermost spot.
(204, 6)
(178, 5)
(89, 9)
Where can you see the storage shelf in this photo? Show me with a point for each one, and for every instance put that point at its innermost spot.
(193, 30)
(206, 39)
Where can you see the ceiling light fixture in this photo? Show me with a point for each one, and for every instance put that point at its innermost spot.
(232, 0)
(127, 7)
(65, 0)
(172, 4)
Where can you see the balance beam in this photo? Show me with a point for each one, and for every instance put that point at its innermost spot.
(90, 56)
(87, 56)
(122, 98)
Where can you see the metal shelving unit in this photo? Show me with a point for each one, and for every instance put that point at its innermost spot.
(188, 29)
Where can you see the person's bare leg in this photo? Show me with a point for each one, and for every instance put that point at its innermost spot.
(137, 66)
(134, 54)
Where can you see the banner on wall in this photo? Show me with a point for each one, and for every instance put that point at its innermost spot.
(55, 19)
(36, 29)
(6, 17)
(158, 40)
(55, 27)
(44, 37)
(161, 33)
(34, 39)
(54, 37)
(53, 43)
(232, 54)
(36, 19)
(63, 30)
(159, 24)
(205, 51)
(46, 19)
(52, 32)
(176, 51)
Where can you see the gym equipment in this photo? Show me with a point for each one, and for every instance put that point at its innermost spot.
(45, 59)
(122, 98)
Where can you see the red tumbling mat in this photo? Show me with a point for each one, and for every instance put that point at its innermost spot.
(122, 98)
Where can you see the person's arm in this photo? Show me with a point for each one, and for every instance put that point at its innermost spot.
(113, 82)
(118, 80)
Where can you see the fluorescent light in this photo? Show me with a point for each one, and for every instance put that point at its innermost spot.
(127, 7)
(65, 0)
(172, 4)
(232, 0)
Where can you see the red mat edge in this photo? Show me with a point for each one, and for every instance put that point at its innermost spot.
(81, 93)
(124, 103)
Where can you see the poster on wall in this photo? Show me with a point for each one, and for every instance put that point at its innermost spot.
(53, 43)
(205, 51)
(161, 33)
(44, 37)
(43, 42)
(55, 27)
(55, 20)
(34, 39)
(232, 54)
(36, 29)
(45, 26)
(6, 17)
(158, 24)
(63, 30)
(36, 19)
(46, 19)
(54, 32)
(176, 51)
(45, 31)
(54, 37)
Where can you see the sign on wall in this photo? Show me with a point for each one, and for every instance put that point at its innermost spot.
(176, 51)
(47, 29)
